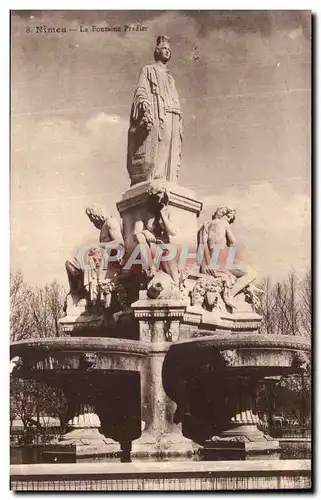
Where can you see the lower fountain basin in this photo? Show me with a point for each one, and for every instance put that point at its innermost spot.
(214, 381)
(38, 358)
(249, 355)
(101, 381)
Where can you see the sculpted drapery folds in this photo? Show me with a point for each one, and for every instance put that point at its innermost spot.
(155, 131)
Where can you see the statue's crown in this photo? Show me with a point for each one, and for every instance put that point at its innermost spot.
(162, 39)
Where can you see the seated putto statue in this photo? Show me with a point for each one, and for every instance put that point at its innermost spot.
(157, 228)
(227, 277)
(155, 130)
(84, 269)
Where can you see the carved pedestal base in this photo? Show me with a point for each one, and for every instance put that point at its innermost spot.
(242, 440)
(83, 438)
(168, 446)
(89, 442)
(240, 448)
(81, 322)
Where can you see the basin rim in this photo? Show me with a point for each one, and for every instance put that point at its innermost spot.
(81, 344)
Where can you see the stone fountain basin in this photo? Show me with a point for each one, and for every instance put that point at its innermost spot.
(100, 377)
(248, 355)
(37, 358)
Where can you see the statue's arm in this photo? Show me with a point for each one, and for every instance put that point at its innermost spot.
(141, 109)
(138, 227)
(202, 239)
(230, 237)
(111, 232)
(171, 231)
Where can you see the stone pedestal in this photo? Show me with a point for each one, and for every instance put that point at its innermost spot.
(241, 439)
(183, 207)
(159, 318)
(79, 321)
(158, 324)
(83, 433)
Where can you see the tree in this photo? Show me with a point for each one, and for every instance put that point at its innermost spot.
(286, 306)
(306, 305)
(286, 310)
(296, 393)
(46, 306)
(21, 324)
(52, 403)
(268, 307)
(34, 313)
(289, 397)
(23, 404)
(298, 386)
(31, 401)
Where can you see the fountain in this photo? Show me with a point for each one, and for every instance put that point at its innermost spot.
(160, 354)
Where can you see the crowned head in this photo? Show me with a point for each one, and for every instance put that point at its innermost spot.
(163, 50)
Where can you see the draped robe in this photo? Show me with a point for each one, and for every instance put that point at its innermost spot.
(154, 152)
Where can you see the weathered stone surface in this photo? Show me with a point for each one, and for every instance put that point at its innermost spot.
(83, 269)
(138, 218)
(159, 325)
(216, 371)
(155, 131)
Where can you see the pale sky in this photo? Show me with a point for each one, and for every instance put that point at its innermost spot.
(246, 105)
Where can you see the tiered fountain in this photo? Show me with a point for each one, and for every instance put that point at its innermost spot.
(157, 315)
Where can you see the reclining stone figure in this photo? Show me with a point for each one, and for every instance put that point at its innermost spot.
(216, 236)
(83, 269)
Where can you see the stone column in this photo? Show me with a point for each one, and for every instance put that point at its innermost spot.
(158, 324)
(159, 319)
